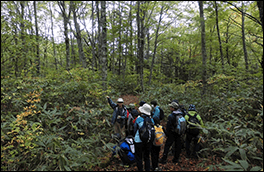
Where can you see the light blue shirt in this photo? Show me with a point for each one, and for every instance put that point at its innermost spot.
(138, 124)
(156, 112)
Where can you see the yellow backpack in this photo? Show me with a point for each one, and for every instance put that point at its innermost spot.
(159, 136)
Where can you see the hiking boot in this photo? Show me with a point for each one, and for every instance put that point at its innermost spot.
(162, 161)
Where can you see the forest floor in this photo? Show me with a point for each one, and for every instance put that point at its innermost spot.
(185, 164)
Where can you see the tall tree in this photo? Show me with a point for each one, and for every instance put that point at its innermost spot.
(243, 37)
(78, 34)
(203, 45)
(52, 37)
(104, 48)
(37, 36)
(66, 18)
(141, 40)
(120, 54)
(156, 42)
(99, 32)
(218, 34)
(260, 7)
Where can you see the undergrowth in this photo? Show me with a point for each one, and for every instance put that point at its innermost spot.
(63, 122)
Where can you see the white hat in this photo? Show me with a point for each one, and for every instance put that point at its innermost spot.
(146, 109)
(174, 105)
(120, 100)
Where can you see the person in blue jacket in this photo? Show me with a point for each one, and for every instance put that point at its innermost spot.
(155, 112)
(142, 148)
(119, 115)
(125, 149)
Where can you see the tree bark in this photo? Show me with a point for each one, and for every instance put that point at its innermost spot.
(99, 35)
(53, 42)
(120, 60)
(78, 35)
(65, 23)
(155, 45)
(260, 7)
(141, 42)
(218, 34)
(104, 48)
(203, 45)
(244, 39)
(37, 37)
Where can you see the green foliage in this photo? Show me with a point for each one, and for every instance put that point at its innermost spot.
(42, 130)
(127, 85)
(233, 114)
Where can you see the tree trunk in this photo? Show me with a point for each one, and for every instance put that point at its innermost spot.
(53, 42)
(112, 59)
(78, 36)
(104, 48)
(99, 35)
(260, 7)
(243, 38)
(37, 36)
(155, 45)
(65, 23)
(203, 47)
(73, 54)
(218, 33)
(227, 40)
(141, 35)
(120, 60)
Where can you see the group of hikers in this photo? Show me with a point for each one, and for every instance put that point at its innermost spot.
(139, 134)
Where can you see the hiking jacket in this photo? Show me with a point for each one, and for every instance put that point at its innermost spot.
(171, 123)
(116, 112)
(138, 124)
(156, 112)
(192, 113)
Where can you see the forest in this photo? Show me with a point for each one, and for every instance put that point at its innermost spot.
(60, 59)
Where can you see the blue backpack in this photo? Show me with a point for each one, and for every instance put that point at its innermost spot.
(180, 126)
(127, 151)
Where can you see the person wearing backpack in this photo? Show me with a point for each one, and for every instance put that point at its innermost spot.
(157, 113)
(173, 134)
(119, 115)
(125, 148)
(192, 132)
(143, 147)
(132, 114)
(183, 110)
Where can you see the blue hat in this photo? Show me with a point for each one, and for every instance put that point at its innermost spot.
(192, 107)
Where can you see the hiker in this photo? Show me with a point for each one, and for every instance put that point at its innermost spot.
(171, 135)
(183, 110)
(125, 149)
(192, 132)
(142, 148)
(132, 114)
(156, 113)
(119, 115)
